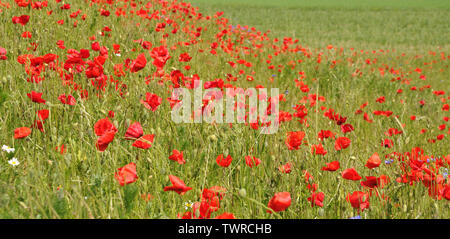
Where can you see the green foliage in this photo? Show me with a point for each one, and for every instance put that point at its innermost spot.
(30, 190)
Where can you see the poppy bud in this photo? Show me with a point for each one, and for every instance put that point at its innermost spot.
(243, 192)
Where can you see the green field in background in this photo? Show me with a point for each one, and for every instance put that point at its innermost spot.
(415, 25)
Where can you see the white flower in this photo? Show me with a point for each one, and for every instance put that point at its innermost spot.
(188, 205)
(8, 149)
(14, 162)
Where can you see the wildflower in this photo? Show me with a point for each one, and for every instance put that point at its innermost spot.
(358, 200)
(333, 166)
(139, 63)
(144, 142)
(21, 132)
(252, 161)
(286, 168)
(135, 131)
(374, 161)
(177, 185)
(294, 140)
(36, 97)
(177, 156)
(224, 162)
(316, 199)
(445, 172)
(8, 149)
(342, 143)
(14, 162)
(188, 205)
(126, 174)
(105, 131)
(152, 101)
(280, 202)
(226, 215)
(351, 174)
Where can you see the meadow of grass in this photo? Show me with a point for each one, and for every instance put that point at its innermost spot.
(351, 53)
(416, 25)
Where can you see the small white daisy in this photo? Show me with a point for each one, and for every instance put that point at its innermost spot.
(8, 149)
(188, 205)
(14, 162)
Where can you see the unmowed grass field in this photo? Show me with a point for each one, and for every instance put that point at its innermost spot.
(381, 65)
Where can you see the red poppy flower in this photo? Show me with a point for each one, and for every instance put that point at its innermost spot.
(67, 100)
(22, 132)
(387, 143)
(279, 202)
(22, 20)
(286, 168)
(27, 35)
(139, 63)
(102, 126)
(374, 161)
(316, 199)
(186, 215)
(134, 131)
(318, 149)
(43, 114)
(346, 128)
(160, 56)
(214, 191)
(126, 174)
(177, 156)
(342, 143)
(372, 181)
(224, 162)
(36, 97)
(152, 101)
(184, 57)
(351, 174)
(446, 192)
(38, 124)
(294, 139)
(22, 3)
(177, 185)
(226, 215)
(106, 132)
(144, 142)
(95, 46)
(366, 118)
(252, 161)
(104, 140)
(62, 149)
(3, 54)
(325, 134)
(358, 200)
(333, 166)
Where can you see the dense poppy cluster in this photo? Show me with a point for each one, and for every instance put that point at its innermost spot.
(242, 50)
